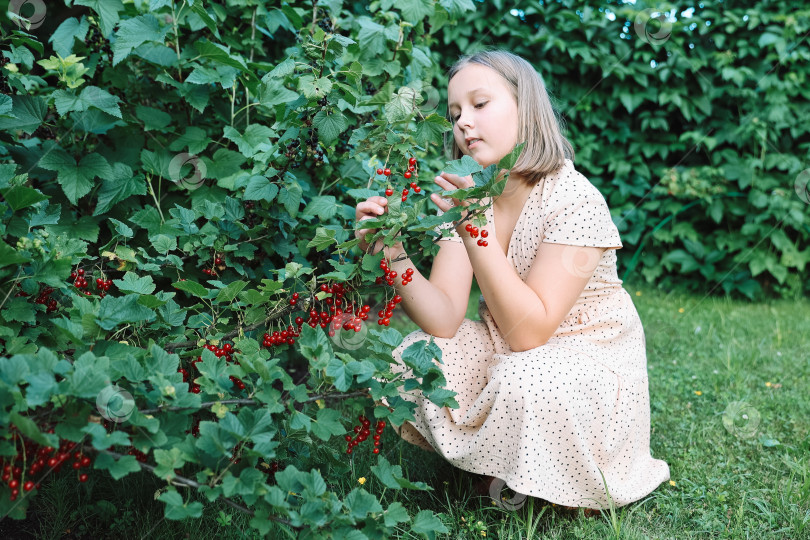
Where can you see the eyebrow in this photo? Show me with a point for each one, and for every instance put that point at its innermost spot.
(451, 105)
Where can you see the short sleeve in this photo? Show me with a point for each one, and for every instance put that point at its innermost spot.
(454, 237)
(578, 215)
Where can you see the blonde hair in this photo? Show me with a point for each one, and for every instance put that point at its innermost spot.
(538, 124)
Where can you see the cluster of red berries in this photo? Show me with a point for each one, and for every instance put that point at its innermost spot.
(42, 460)
(390, 275)
(139, 456)
(227, 351)
(407, 174)
(285, 336)
(474, 233)
(270, 468)
(218, 263)
(195, 426)
(363, 432)
(80, 282)
(43, 298)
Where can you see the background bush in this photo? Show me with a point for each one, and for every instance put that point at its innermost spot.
(200, 162)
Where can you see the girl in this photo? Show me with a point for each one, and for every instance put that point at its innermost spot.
(552, 381)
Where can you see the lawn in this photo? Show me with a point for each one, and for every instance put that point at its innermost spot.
(730, 411)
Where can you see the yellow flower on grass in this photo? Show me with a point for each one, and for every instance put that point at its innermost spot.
(672, 482)
(768, 384)
(680, 310)
(361, 480)
(638, 293)
(698, 393)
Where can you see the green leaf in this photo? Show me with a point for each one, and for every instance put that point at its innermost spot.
(118, 310)
(76, 179)
(134, 32)
(323, 238)
(64, 36)
(395, 513)
(9, 256)
(19, 197)
(41, 386)
(272, 92)
(67, 101)
(430, 129)
(29, 429)
(191, 287)
(330, 126)
(107, 9)
(20, 309)
(290, 197)
(414, 11)
(257, 138)
(402, 105)
(314, 88)
(152, 118)
(359, 503)
(227, 294)
(167, 461)
(509, 160)
(391, 476)
(327, 423)
(28, 114)
(117, 468)
(133, 283)
(426, 522)
(164, 243)
(463, 167)
(259, 188)
(120, 186)
(323, 206)
(176, 509)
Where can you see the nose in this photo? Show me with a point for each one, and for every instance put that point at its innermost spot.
(464, 120)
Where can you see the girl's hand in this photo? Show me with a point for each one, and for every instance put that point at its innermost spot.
(451, 182)
(371, 208)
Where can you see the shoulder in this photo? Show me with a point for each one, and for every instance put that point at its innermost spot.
(568, 184)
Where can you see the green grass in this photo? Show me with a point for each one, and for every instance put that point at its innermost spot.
(710, 364)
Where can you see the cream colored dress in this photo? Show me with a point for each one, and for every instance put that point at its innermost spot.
(548, 419)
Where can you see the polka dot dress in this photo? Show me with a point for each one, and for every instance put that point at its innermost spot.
(548, 420)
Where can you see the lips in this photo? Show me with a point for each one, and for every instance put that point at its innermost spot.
(471, 142)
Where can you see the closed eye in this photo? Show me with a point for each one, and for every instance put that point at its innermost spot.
(477, 106)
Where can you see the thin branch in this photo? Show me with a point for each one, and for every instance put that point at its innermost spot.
(188, 482)
(207, 404)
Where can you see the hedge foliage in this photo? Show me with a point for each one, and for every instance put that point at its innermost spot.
(179, 181)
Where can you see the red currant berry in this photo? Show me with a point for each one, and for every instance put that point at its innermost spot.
(407, 174)
(379, 171)
(484, 233)
(417, 189)
(404, 198)
(28, 486)
(83, 477)
(376, 450)
(389, 192)
(412, 161)
(387, 172)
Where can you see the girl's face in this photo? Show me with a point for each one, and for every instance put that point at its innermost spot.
(484, 114)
